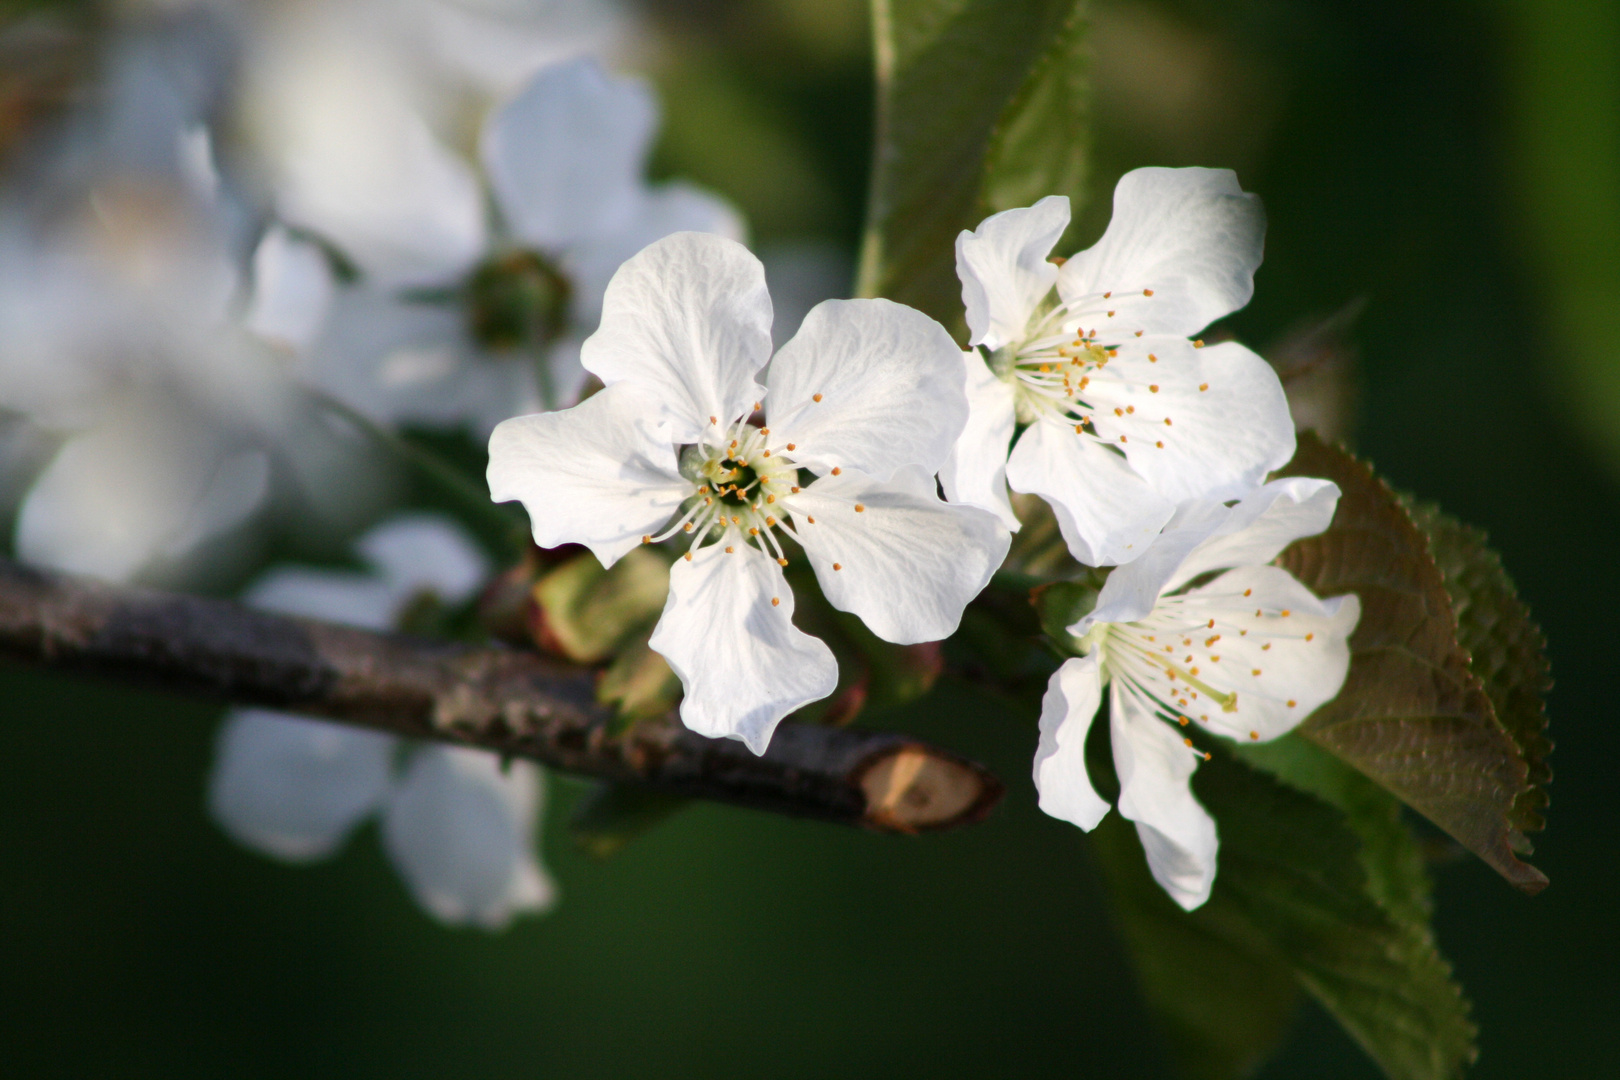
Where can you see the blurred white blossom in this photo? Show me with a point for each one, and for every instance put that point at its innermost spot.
(453, 320)
(458, 825)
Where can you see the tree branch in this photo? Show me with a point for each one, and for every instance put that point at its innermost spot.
(506, 700)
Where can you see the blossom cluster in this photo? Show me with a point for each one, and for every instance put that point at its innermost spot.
(1085, 387)
(194, 346)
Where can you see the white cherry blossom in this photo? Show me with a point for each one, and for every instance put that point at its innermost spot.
(1246, 655)
(859, 410)
(458, 826)
(455, 321)
(1124, 416)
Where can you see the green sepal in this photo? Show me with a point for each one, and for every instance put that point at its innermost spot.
(587, 612)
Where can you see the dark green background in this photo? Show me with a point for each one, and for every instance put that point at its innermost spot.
(1390, 143)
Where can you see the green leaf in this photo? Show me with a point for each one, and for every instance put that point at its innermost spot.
(1413, 715)
(1505, 648)
(982, 106)
(1330, 896)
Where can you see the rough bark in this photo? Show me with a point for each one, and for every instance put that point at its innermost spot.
(506, 700)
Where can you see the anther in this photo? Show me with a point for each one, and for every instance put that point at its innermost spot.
(1265, 647)
(1210, 625)
(688, 556)
(1160, 444)
(775, 600)
(770, 498)
(1199, 344)
(790, 446)
(1147, 292)
(1079, 428)
(1152, 359)
(730, 550)
(837, 471)
(767, 454)
(795, 490)
(859, 509)
(782, 561)
(1167, 422)
(1256, 671)
(736, 520)
(1123, 439)
(753, 530)
(811, 520)
(1183, 721)
(1106, 295)
(1153, 388)
(838, 566)
(763, 430)
(756, 406)
(1139, 333)
(1246, 592)
(714, 419)
(1285, 613)
(1118, 411)
(1310, 637)
(770, 522)
(1292, 703)
(1187, 741)
(646, 539)
(1203, 386)
(815, 397)
(1110, 314)
(687, 526)
(1255, 735)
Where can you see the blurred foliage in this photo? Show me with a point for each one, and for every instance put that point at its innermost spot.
(1565, 129)
(980, 104)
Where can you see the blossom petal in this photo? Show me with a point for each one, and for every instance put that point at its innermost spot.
(459, 828)
(1195, 423)
(1205, 535)
(293, 787)
(360, 167)
(1155, 771)
(975, 472)
(1107, 513)
(595, 474)
(336, 595)
(404, 361)
(292, 289)
(128, 492)
(906, 562)
(414, 552)
(867, 384)
(727, 631)
(1281, 666)
(1262, 523)
(1192, 236)
(659, 212)
(687, 319)
(1004, 270)
(565, 156)
(1072, 698)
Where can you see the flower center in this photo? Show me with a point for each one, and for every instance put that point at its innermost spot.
(738, 483)
(516, 300)
(1059, 370)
